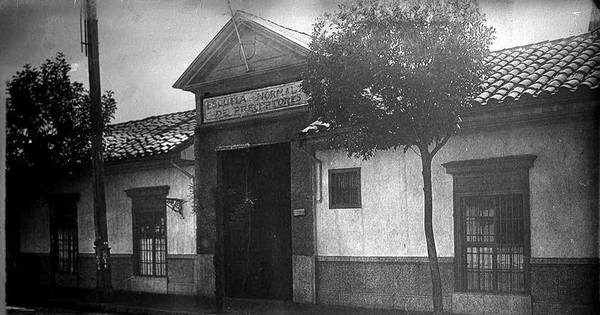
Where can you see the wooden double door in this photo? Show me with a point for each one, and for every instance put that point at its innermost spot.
(255, 188)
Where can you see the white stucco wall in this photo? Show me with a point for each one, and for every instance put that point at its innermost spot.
(390, 222)
(181, 237)
(35, 228)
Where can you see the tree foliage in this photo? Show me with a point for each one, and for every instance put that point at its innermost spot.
(385, 74)
(395, 73)
(48, 119)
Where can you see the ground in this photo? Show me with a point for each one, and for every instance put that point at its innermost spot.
(47, 311)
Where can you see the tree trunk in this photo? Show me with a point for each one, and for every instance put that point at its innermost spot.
(426, 157)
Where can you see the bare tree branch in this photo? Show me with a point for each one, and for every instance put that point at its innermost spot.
(439, 145)
(413, 149)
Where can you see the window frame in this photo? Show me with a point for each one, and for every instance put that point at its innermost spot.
(461, 253)
(63, 201)
(137, 196)
(331, 173)
(483, 178)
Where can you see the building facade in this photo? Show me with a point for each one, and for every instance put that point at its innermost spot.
(248, 114)
(150, 217)
(515, 192)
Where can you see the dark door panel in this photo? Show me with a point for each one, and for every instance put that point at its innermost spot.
(257, 234)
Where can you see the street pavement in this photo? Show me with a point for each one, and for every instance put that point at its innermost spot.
(83, 301)
(12, 310)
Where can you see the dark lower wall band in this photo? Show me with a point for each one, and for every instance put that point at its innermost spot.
(558, 285)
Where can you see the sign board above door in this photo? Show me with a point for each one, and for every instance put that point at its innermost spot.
(253, 102)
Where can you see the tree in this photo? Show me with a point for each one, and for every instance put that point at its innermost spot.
(48, 135)
(48, 121)
(397, 74)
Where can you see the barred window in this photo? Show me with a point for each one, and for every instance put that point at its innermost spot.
(151, 243)
(64, 233)
(67, 249)
(344, 188)
(149, 230)
(493, 237)
(491, 223)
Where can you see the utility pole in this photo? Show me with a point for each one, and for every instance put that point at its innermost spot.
(103, 276)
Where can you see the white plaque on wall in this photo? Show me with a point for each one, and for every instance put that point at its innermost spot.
(253, 102)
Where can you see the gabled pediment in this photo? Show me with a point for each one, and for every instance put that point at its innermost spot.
(266, 46)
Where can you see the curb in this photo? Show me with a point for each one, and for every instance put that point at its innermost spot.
(119, 308)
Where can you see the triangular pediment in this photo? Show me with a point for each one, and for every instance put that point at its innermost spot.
(266, 46)
(261, 52)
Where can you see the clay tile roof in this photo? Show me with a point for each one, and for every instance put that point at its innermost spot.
(546, 68)
(149, 136)
(563, 65)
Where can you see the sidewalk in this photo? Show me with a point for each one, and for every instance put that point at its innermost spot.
(155, 304)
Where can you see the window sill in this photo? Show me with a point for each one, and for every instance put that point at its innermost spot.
(345, 208)
(149, 277)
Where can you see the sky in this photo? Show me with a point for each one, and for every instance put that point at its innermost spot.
(145, 45)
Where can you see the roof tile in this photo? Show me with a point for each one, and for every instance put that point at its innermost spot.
(590, 82)
(508, 86)
(533, 77)
(525, 82)
(149, 136)
(543, 68)
(511, 96)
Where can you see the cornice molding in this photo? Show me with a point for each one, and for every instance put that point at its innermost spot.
(506, 163)
(382, 259)
(146, 164)
(449, 260)
(270, 76)
(147, 191)
(534, 111)
(547, 110)
(181, 256)
(563, 261)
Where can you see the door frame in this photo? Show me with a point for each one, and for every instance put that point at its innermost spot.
(220, 253)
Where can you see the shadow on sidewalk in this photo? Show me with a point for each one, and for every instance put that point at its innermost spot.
(160, 304)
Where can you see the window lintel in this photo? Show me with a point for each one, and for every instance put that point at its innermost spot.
(344, 170)
(147, 191)
(506, 163)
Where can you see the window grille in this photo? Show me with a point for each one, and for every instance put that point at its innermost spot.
(64, 233)
(151, 244)
(149, 207)
(67, 249)
(344, 188)
(494, 241)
